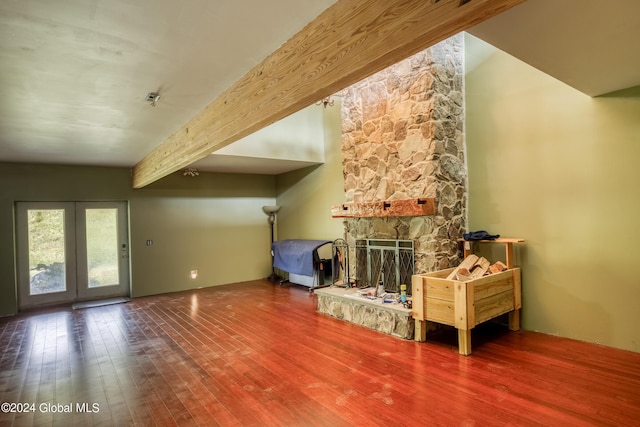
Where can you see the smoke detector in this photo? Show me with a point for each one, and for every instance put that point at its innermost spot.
(152, 98)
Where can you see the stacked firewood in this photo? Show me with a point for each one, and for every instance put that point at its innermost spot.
(474, 267)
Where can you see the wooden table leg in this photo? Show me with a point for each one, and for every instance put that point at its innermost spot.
(467, 247)
(509, 255)
(514, 320)
(420, 331)
(464, 341)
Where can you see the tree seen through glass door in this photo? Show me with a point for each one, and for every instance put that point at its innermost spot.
(102, 247)
(46, 251)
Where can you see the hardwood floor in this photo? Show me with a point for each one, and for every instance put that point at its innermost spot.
(257, 354)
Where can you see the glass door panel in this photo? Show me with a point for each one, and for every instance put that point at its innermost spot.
(103, 255)
(102, 247)
(46, 253)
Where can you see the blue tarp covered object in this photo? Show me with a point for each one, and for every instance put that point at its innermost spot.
(296, 256)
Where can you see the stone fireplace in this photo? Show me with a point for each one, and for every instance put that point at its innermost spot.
(403, 140)
(404, 175)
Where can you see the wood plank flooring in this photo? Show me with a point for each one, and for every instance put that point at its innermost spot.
(258, 354)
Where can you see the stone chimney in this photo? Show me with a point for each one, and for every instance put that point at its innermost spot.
(403, 138)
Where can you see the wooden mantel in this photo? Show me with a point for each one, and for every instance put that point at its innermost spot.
(349, 41)
(405, 207)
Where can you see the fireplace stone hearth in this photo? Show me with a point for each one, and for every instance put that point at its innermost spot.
(389, 318)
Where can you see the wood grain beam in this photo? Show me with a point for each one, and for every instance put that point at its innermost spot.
(349, 41)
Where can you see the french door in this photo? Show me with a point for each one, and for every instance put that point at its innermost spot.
(71, 251)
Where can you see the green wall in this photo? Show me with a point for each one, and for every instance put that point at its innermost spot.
(306, 195)
(213, 223)
(558, 168)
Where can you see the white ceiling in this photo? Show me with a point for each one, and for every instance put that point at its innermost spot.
(74, 73)
(591, 45)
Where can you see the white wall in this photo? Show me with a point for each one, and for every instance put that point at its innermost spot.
(299, 136)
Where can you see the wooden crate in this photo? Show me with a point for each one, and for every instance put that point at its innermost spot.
(465, 304)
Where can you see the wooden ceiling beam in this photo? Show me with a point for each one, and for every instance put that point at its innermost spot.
(346, 43)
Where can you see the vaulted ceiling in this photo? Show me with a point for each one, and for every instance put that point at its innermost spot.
(591, 45)
(74, 74)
